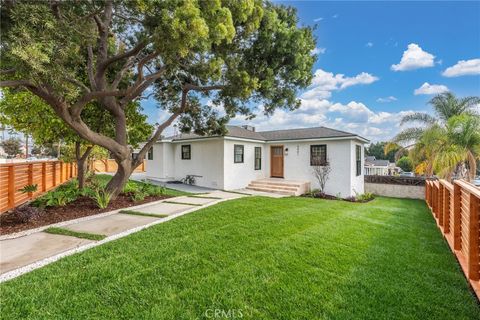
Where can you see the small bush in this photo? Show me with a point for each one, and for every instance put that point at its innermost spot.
(130, 187)
(27, 213)
(367, 196)
(153, 190)
(138, 195)
(29, 188)
(102, 198)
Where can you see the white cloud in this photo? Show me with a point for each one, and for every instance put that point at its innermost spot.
(353, 117)
(369, 44)
(324, 82)
(318, 19)
(463, 68)
(335, 16)
(318, 51)
(387, 99)
(414, 58)
(428, 88)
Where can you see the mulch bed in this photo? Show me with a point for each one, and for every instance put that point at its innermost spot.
(320, 195)
(11, 222)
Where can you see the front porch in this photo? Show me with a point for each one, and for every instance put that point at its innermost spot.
(280, 186)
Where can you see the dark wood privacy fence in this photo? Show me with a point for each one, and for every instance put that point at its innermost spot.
(406, 181)
(456, 208)
(45, 174)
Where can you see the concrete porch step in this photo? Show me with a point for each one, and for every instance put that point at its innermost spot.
(271, 186)
(284, 192)
(280, 186)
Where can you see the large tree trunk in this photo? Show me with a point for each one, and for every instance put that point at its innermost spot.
(118, 181)
(81, 164)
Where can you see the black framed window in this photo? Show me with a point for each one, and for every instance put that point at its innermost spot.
(258, 158)
(150, 154)
(318, 155)
(238, 153)
(186, 152)
(358, 157)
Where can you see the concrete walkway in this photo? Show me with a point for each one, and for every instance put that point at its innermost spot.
(32, 249)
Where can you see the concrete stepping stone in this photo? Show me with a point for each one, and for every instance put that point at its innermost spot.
(22, 251)
(262, 193)
(225, 195)
(112, 224)
(195, 200)
(165, 208)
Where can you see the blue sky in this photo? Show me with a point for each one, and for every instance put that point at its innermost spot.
(378, 61)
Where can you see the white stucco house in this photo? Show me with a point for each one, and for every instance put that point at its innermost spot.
(279, 160)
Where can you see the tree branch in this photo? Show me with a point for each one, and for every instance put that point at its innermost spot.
(90, 72)
(158, 132)
(78, 106)
(130, 53)
(78, 83)
(15, 83)
(193, 87)
(7, 71)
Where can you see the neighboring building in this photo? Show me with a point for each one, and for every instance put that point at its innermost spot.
(244, 158)
(380, 167)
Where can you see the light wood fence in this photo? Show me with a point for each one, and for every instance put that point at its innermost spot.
(456, 208)
(109, 165)
(45, 174)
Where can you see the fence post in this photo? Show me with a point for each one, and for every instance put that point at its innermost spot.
(441, 189)
(61, 172)
(44, 177)
(106, 165)
(446, 210)
(473, 240)
(54, 168)
(457, 194)
(30, 178)
(11, 186)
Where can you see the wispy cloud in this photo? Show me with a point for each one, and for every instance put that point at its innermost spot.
(463, 68)
(387, 99)
(318, 19)
(428, 88)
(335, 16)
(369, 44)
(318, 51)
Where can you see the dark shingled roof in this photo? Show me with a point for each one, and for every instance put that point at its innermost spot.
(275, 135)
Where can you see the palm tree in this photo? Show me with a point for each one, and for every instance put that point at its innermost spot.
(457, 147)
(444, 145)
(445, 106)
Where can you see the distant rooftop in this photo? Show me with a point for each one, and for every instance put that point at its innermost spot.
(274, 135)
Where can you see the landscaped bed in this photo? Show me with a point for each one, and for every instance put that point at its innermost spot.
(83, 205)
(288, 258)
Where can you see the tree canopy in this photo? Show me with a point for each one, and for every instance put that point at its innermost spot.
(236, 55)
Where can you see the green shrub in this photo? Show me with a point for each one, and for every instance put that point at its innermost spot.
(138, 195)
(29, 188)
(367, 196)
(130, 187)
(102, 198)
(58, 197)
(153, 190)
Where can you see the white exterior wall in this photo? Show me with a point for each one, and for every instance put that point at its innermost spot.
(206, 161)
(213, 160)
(297, 165)
(239, 175)
(357, 181)
(162, 165)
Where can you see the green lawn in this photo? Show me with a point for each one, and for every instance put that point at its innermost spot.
(290, 258)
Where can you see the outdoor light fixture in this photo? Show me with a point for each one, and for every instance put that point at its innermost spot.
(286, 151)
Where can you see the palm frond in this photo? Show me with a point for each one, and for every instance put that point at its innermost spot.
(418, 117)
(408, 135)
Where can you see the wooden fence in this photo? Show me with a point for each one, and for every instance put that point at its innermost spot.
(456, 208)
(109, 165)
(45, 174)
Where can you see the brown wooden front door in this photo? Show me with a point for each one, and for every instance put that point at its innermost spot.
(276, 161)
